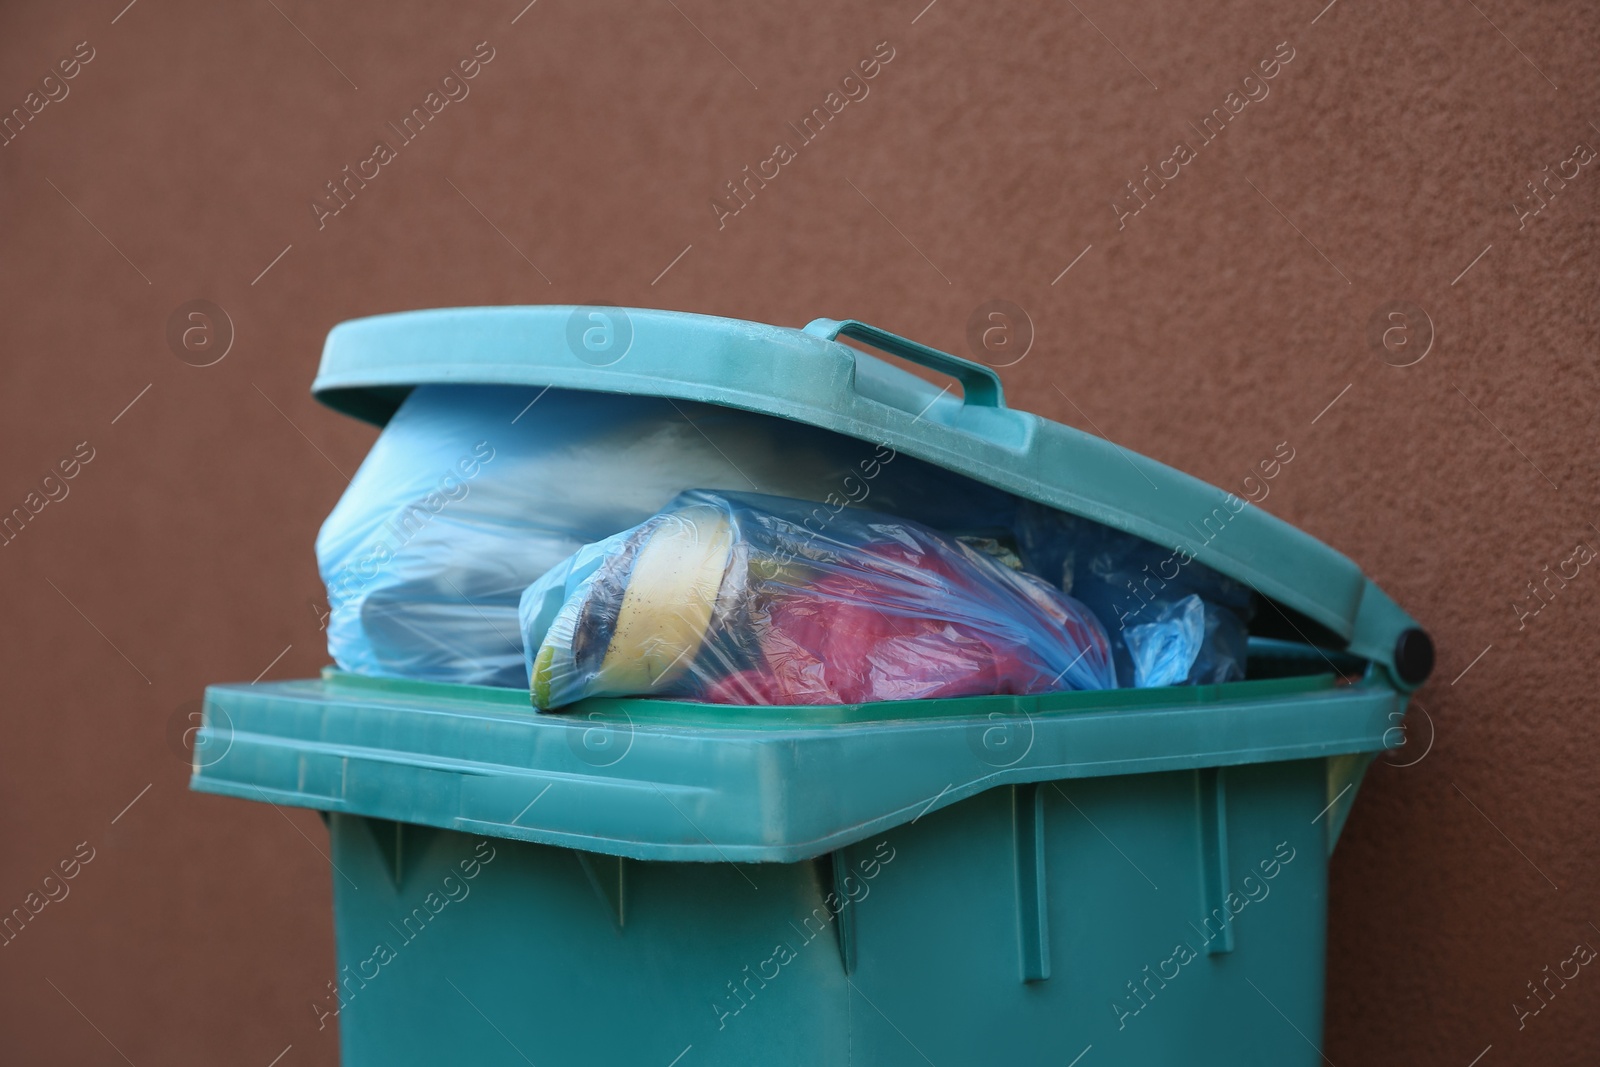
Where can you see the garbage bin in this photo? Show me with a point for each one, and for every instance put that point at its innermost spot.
(1131, 876)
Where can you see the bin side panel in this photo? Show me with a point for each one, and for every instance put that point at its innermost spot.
(942, 938)
(491, 950)
(991, 931)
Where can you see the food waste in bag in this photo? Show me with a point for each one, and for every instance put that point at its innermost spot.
(734, 598)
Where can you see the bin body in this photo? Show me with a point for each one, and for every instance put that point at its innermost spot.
(978, 880)
(1125, 876)
(1020, 926)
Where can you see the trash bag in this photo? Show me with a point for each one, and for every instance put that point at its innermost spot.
(1171, 620)
(1164, 651)
(472, 492)
(737, 598)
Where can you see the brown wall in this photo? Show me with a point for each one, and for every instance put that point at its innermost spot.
(1223, 318)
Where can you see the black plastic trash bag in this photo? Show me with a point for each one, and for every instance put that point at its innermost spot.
(1172, 621)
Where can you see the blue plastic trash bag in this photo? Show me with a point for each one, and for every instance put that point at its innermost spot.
(738, 598)
(472, 492)
(1164, 651)
(1200, 617)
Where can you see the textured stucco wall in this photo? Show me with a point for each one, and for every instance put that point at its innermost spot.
(1222, 318)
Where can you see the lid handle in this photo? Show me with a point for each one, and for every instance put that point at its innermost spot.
(980, 384)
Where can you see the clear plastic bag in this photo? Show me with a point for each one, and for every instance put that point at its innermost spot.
(1171, 620)
(472, 492)
(752, 599)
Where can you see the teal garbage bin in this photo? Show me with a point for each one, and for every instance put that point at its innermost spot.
(1118, 877)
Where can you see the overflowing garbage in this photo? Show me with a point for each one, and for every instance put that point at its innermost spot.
(733, 599)
(583, 544)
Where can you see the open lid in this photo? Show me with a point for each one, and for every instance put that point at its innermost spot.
(369, 366)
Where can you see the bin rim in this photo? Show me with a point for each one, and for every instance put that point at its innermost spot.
(704, 787)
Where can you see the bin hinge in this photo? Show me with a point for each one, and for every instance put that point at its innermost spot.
(1385, 634)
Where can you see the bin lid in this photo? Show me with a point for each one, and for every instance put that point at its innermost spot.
(809, 375)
